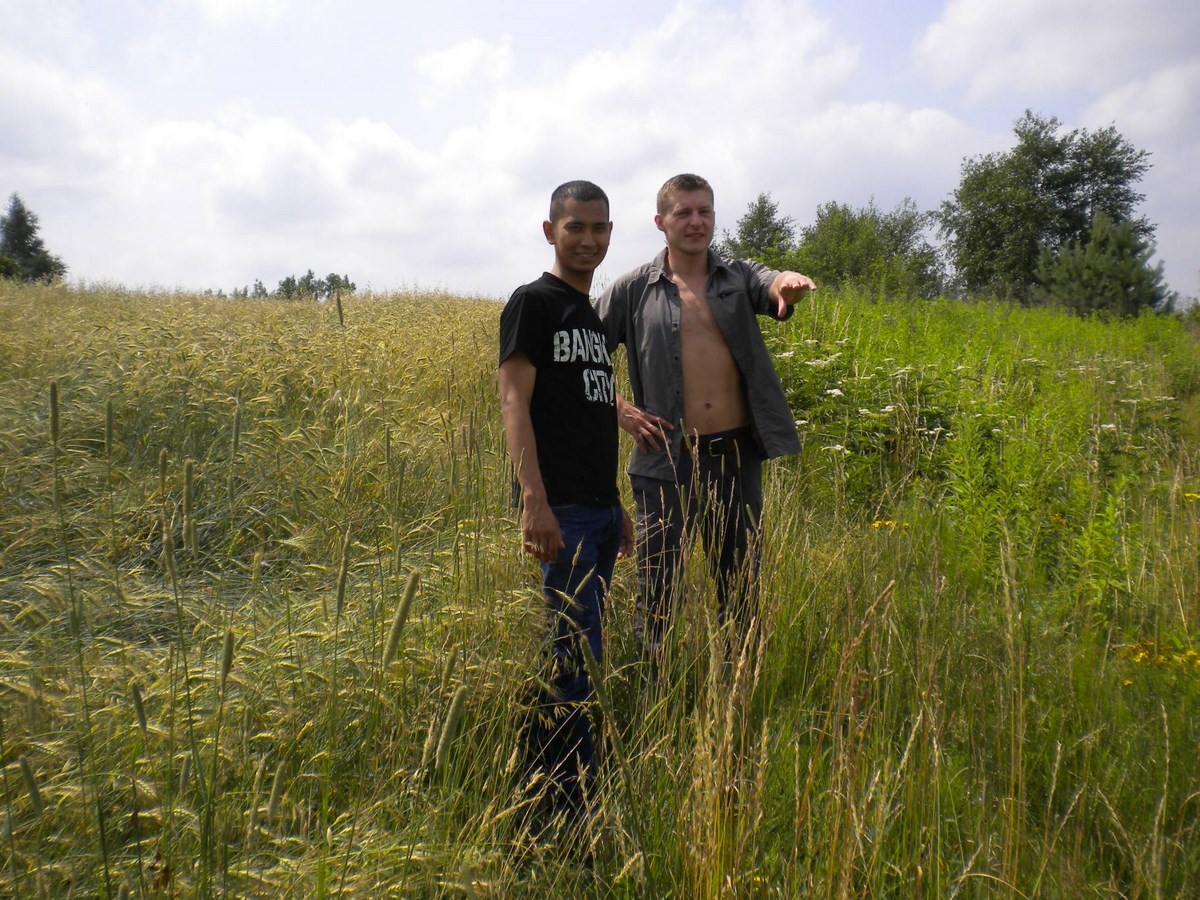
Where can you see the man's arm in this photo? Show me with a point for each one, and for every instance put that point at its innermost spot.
(645, 429)
(539, 528)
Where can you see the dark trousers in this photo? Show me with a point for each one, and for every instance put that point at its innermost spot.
(559, 744)
(717, 496)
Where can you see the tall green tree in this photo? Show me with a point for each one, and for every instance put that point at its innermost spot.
(22, 250)
(1044, 193)
(1110, 272)
(881, 251)
(762, 234)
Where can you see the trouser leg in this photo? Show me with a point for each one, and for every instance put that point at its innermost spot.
(731, 524)
(660, 532)
(560, 742)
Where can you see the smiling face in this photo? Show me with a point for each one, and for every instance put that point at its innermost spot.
(580, 234)
(688, 222)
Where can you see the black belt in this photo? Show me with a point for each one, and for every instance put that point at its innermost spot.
(736, 442)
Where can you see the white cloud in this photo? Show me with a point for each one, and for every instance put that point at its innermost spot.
(242, 13)
(1019, 46)
(468, 64)
(754, 95)
(49, 115)
(1154, 107)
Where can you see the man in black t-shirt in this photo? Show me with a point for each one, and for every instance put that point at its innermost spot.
(560, 424)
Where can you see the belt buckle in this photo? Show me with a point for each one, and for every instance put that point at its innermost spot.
(718, 446)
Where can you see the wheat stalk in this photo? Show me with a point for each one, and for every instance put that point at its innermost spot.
(343, 574)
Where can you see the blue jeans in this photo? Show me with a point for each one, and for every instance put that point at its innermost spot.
(559, 738)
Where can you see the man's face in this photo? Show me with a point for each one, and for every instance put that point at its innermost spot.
(580, 235)
(689, 222)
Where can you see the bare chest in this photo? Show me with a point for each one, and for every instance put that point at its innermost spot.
(696, 320)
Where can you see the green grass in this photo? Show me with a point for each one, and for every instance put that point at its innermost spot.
(978, 673)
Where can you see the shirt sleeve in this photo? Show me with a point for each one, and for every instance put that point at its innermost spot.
(759, 280)
(613, 310)
(522, 328)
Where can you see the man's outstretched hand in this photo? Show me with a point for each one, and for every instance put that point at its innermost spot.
(789, 288)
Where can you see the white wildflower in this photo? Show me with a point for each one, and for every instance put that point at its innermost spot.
(823, 363)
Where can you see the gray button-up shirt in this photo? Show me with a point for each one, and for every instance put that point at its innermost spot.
(641, 310)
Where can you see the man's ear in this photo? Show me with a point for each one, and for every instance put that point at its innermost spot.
(548, 231)
(658, 220)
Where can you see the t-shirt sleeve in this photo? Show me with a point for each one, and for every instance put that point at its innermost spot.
(522, 327)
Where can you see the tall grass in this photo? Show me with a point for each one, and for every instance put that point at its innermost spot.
(264, 618)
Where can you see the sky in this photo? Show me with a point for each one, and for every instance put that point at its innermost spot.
(203, 144)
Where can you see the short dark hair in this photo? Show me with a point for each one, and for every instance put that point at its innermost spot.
(583, 191)
(681, 184)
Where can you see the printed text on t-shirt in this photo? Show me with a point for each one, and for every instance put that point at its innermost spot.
(585, 345)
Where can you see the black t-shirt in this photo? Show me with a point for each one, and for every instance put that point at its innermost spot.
(573, 407)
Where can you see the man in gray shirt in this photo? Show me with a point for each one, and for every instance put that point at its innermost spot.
(708, 406)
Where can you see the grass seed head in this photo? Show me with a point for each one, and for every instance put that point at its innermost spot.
(226, 657)
(450, 729)
(410, 591)
(139, 707)
(188, 484)
(276, 793)
(31, 785)
(430, 745)
(448, 671)
(343, 573)
(237, 424)
(54, 414)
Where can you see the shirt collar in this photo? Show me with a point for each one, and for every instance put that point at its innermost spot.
(658, 267)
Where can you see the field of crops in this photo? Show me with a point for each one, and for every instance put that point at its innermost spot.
(265, 621)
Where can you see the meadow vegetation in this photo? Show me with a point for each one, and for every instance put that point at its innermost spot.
(265, 620)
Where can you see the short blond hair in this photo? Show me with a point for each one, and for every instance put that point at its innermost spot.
(681, 184)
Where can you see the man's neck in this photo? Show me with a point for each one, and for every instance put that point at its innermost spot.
(581, 283)
(687, 265)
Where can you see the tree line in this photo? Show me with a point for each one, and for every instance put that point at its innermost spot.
(24, 257)
(1054, 220)
(307, 287)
